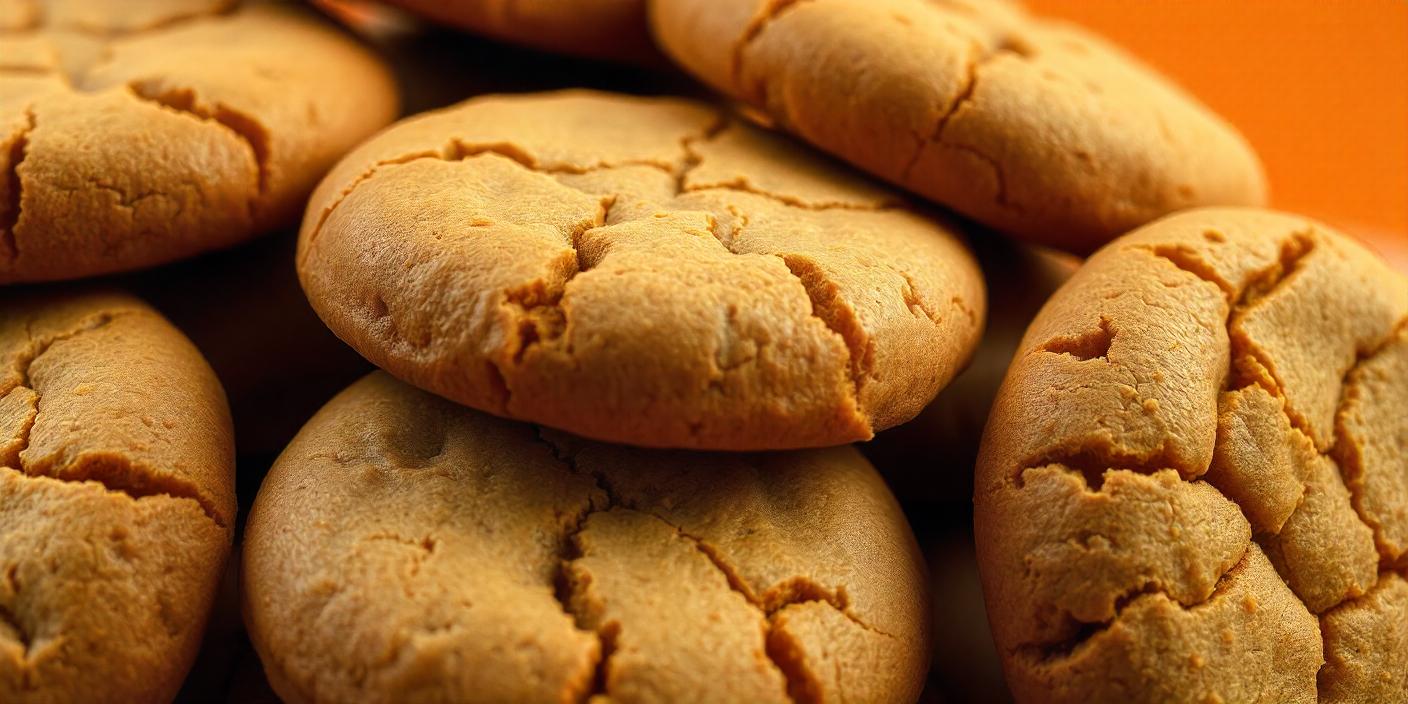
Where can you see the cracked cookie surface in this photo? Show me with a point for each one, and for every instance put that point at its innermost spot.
(1034, 127)
(638, 270)
(133, 134)
(116, 499)
(404, 548)
(1194, 482)
(601, 29)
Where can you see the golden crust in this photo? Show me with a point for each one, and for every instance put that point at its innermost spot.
(1034, 127)
(638, 270)
(639, 574)
(134, 137)
(116, 500)
(1209, 414)
(600, 29)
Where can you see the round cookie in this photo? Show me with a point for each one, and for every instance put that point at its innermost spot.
(133, 134)
(1034, 127)
(598, 29)
(116, 499)
(638, 270)
(1194, 482)
(640, 575)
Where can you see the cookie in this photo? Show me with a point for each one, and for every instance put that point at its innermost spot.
(1033, 127)
(598, 29)
(638, 270)
(1194, 482)
(116, 499)
(133, 135)
(639, 575)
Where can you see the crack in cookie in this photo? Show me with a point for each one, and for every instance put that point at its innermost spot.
(781, 287)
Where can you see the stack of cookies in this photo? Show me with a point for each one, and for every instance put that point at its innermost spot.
(587, 434)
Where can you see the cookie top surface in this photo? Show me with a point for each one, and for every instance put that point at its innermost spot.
(1034, 127)
(599, 29)
(1200, 456)
(116, 499)
(136, 133)
(641, 575)
(638, 270)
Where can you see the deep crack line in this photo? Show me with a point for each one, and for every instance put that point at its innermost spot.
(9, 618)
(963, 98)
(540, 315)
(563, 587)
(20, 441)
(37, 349)
(1348, 457)
(754, 29)
(10, 218)
(134, 480)
(244, 126)
(1087, 631)
(829, 307)
(10, 625)
(691, 159)
(563, 590)
(1187, 261)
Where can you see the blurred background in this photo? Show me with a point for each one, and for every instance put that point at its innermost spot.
(1319, 87)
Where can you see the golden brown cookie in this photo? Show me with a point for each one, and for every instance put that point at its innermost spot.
(1034, 127)
(599, 29)
(404, 548)
(136, 133)
(116, 499)
(638, 270)
(1194, 482)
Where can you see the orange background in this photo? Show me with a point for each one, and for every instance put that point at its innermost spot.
(1320, 87)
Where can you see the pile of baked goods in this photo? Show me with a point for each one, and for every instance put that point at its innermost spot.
(592, 347)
